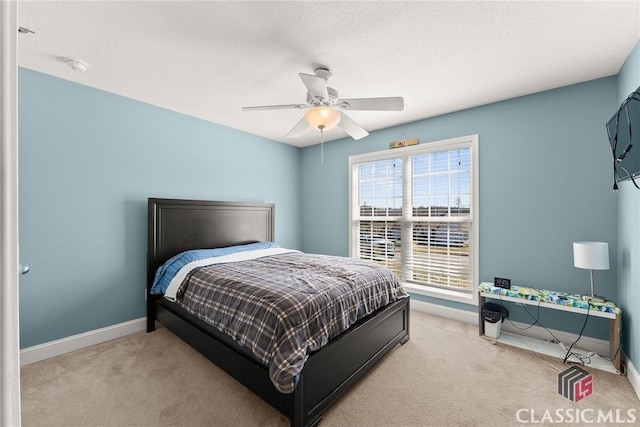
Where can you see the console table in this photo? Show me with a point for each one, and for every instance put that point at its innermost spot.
(555, 301)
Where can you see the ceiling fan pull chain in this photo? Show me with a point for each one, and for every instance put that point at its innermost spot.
(321, 147)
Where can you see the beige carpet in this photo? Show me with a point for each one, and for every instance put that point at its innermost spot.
(445, 376)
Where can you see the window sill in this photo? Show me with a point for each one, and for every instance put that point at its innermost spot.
(446, 294)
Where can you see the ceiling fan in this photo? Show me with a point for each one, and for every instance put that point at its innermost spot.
(326, 109)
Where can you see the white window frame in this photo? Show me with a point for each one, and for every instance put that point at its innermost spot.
(470, 141)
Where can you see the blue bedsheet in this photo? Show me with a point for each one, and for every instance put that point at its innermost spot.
(170, 268)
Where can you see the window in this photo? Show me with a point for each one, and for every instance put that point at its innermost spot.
(414, 210)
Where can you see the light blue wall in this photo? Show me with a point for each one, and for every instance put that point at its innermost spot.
(629, 231)
(545, 182)
(88, 161)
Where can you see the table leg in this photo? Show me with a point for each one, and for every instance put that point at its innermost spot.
(481, 301)
(614, 342)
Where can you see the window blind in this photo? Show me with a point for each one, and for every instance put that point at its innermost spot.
(412, 212)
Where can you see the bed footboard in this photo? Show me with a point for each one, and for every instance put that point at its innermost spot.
(327, 374)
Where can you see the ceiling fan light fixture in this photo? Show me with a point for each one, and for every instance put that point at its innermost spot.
(325, 107)
(322, 118)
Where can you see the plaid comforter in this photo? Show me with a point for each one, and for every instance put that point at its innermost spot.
(282, 307)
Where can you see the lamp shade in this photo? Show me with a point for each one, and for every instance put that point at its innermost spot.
(591, 255)
(322, 118)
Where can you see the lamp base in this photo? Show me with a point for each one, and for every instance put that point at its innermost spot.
(594, 298)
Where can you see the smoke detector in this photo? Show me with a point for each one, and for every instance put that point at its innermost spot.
(76, 64)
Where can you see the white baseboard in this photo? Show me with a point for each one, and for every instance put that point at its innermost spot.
(586, 343)
(632, 374)
(444, 311)
(76, 342)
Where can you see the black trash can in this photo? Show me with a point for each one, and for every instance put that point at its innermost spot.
(493, 315)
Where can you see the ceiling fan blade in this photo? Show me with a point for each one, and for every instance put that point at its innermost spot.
(299, 128)
(317, 86)
(276, 107)
(351, 127)
(395, 103)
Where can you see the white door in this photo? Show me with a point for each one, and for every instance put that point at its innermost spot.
(9, 327)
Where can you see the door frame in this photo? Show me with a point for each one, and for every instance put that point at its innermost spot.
(9, 302)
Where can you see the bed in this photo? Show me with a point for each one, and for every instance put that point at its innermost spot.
(175, 226)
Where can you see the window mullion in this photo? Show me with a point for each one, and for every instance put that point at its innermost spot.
(406, 248)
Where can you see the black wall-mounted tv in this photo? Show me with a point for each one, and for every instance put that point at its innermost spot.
(623, 130)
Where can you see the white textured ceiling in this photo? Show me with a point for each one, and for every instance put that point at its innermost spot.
(209, 58)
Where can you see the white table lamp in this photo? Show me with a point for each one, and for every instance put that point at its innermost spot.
(591, 256)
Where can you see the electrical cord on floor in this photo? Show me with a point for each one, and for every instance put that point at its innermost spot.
(540, 357)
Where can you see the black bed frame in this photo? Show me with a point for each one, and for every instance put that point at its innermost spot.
(178, 225)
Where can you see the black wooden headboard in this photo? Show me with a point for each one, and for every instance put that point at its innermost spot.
(177, 225)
